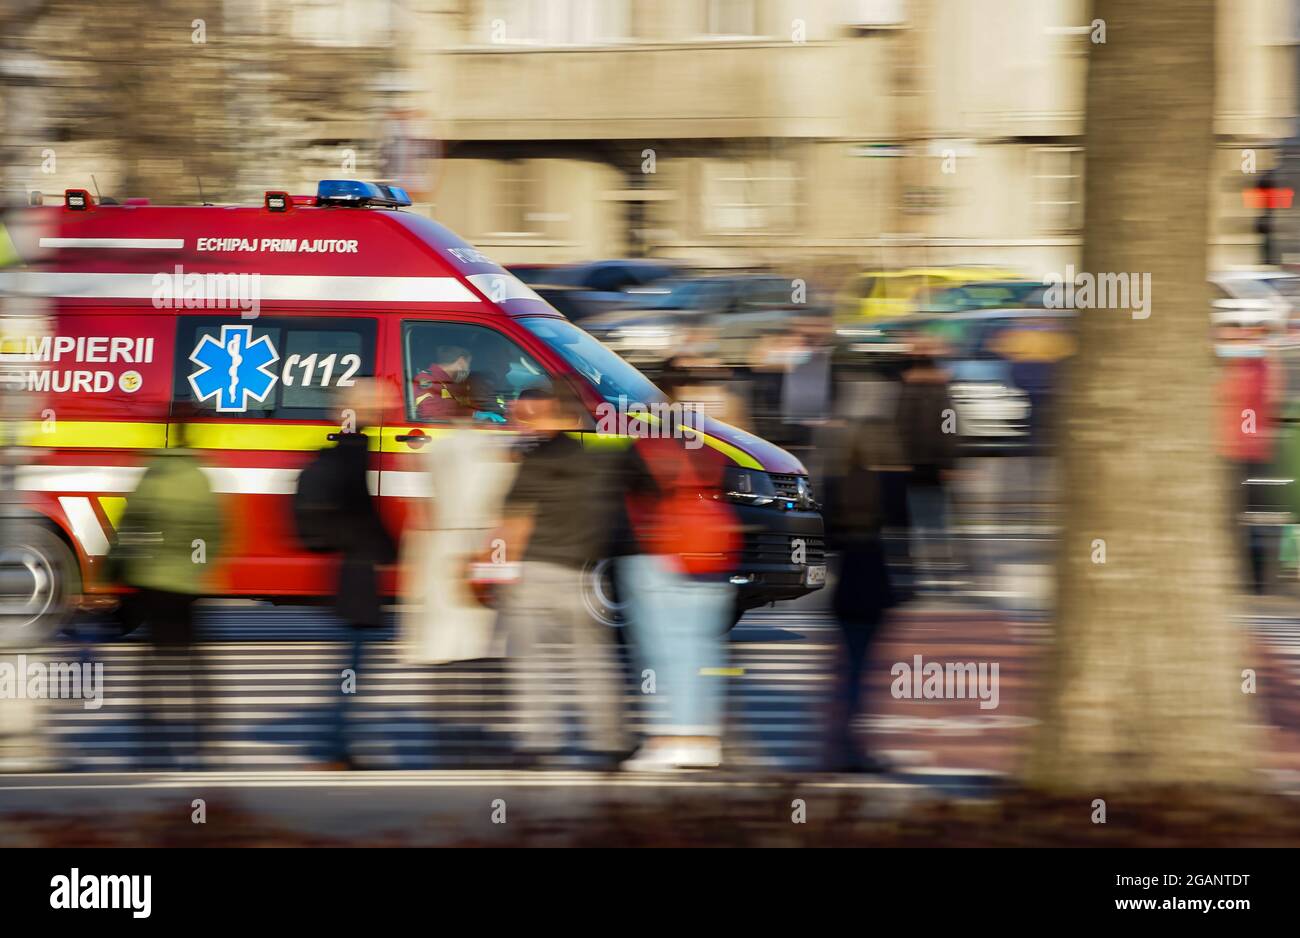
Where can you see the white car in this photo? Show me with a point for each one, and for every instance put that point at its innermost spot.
(1251, 296)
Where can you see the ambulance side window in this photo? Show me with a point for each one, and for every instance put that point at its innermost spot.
(456, 370)
(276, 368)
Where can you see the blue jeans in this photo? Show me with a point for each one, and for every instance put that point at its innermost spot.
(678, 625)
(340, 750)
(930, 543)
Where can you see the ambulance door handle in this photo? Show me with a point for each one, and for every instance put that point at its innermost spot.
(415, 439)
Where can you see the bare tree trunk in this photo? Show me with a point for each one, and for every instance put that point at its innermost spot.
(1144, 684)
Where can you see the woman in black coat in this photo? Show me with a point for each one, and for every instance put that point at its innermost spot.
(365, 545)
(365, 542)
(863, 592)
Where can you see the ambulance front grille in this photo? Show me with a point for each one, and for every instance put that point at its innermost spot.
(768, 549)
(787, 485)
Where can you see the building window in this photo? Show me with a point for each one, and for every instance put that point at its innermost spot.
(757, 195)
(245, 16)
(730, 19)
(517, 190)
(341, 22)
(1058, 189)
(557, 22)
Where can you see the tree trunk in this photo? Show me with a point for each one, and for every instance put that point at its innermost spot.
(1144, 684)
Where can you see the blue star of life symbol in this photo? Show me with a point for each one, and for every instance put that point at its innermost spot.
(235, 368)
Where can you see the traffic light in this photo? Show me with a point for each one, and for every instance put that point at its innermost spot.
(1264, 197)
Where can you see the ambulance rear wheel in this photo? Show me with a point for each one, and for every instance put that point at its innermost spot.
(40, 581)
(600, 593)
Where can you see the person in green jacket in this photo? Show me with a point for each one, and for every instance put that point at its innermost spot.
(167, 542)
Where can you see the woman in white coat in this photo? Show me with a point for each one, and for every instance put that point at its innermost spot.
(469, 469)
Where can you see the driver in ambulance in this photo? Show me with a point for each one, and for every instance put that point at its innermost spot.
(441, 390)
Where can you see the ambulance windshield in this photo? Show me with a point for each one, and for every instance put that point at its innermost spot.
(608, 374)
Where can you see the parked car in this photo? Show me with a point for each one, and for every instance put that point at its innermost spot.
(533, 274)
(575, 303)
(885, 294)
(735, 309)
(1247, 294)
(594, 287)
(609, 276)
(989, 354)
(992, 294)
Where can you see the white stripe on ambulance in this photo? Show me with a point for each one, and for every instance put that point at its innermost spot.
(273, 287)
(85, 525)
(115, 243)
(226, 480)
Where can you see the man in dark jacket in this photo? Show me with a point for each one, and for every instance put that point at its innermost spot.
(927, 427)
(364, 546)
(557, 519)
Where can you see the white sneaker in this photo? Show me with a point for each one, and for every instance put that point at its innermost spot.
(653, 759)
(699, 755)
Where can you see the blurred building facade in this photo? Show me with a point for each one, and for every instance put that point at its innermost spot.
(880, 132)
(873, 133)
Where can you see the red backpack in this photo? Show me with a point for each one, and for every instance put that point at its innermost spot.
(688, 519)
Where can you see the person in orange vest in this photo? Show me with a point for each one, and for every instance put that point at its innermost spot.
(441, 390)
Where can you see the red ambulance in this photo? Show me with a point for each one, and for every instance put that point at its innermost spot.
(256, 316)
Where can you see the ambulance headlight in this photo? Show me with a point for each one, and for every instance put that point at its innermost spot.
(748, 486)
(804, 495)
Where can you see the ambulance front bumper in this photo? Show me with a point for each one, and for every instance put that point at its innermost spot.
(784, 556)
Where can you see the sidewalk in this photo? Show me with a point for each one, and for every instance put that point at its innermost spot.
(432, 808)
(579, 809)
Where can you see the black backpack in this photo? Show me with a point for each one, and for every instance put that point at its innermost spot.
(316, 504)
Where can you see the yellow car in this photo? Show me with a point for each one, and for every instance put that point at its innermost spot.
(886, 294)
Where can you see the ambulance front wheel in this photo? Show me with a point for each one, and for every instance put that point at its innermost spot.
(600, 593)
(39, 583)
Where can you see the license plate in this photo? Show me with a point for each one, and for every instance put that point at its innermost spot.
(815, 575)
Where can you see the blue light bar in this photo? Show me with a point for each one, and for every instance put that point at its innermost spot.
(397, 194)
(356, 193)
